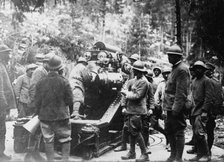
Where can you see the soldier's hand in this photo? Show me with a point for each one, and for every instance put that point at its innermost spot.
(150, 112)
(124, 111)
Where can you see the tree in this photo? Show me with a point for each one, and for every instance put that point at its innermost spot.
(209, 28)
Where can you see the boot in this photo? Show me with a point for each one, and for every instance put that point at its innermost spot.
(180, 140)
(4, 157)
(49, 150)
(131, 154)
(144, 156)
(123, 146)
(172, 147)
(204, 159)
(65, 151)
(202, 146)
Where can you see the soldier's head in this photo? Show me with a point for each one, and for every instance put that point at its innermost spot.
(157, 71)
(175, 54)
(30, 68)
(138, 69)
(133, 58)
(149, 75)
(47, 58)
(82, 60)
(55, 63)
(166, 71)
(4, 53)
(211, 69)
(199, 69)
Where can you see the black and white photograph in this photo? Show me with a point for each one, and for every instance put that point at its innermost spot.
(111, 80)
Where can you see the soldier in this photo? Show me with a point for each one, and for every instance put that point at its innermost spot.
(7, 98)
(37, 75)
(217, 100)
(175, 97)
(53, 97)
(150, 109)
(159, 101)
(157, 78)
(136, 106)
(22, 91)
(127, 69)
(202, 97)
(79, 78)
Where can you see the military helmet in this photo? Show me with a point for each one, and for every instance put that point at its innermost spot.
(139, 66)
(55, 63)
(82, 59)
(199, 64)
(31, 66)
(166, 70)
(175, 50)
(149, 73)
(48, 56)
(210, 66)
(135, 57)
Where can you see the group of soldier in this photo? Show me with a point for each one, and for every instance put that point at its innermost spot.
(44, 91)
(185, 92)
(181, 92)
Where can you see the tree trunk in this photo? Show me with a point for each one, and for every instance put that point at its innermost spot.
(178, 22)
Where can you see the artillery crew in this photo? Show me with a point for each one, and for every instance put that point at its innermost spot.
(136, 107)
(175, 96)
(52, 98)
(79, 78)
(144, 99)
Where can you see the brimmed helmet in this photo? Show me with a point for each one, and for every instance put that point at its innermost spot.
(175, 50)
(139, 66)
(54, 63)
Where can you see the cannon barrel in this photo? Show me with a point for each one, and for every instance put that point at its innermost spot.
(106, 47)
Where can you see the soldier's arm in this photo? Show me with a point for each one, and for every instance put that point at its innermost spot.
(208, 95)
(158, 94)
(151, 100)
(68, 94)
(18, 86)
(37, 98)
(3, 102)
(139, 92)
(182, 87)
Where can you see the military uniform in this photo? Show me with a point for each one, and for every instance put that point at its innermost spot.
(7, 101)
(80, 77)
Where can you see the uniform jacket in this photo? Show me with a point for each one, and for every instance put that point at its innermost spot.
(37, 75)
(52, 98)
(217, 97)
(150, 96)
(177, 88)
(202, 95)
(22, 88)
(136, 97)
(80, 76)
(7, 97)
(159, 94)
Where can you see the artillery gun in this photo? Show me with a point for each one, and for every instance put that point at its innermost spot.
(100, 129)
